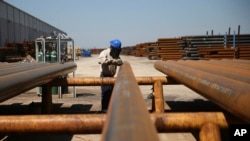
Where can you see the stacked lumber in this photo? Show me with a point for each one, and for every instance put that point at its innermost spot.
(169, 49)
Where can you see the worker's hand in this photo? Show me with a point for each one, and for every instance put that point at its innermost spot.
(117, 62)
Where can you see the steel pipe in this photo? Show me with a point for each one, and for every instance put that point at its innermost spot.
(187, 121)
(128, 117)
(51, 124)
(218, 70)
(19, 82)
(232, 95)
(210, 132)
(93, 124)
(46, 99)
(158, 99)
(97, 81)
(10, 68)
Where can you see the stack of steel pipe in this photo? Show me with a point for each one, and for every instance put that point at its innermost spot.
(16, 78)
(225, 82)
(169, 49)
(141, 50)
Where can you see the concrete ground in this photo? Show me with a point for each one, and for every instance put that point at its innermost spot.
(177, 97)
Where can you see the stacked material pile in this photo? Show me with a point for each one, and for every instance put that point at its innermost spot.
(242, 52)
(215, 47)
(152, 48)
(140, 50)
(14, 52)
(195, 47)
(169, 49)
(242, 47)
(130, 50)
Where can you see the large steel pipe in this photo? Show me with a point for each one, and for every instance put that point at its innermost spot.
(97, 81)
(51, 124)
(128, 117)
(90, 124)
(219, 70)
(16, 83)
(232, 95)
(11, 68)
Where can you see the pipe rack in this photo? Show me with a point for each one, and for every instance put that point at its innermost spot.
(93, 123)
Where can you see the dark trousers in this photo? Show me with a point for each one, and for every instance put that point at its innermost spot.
(106, 94)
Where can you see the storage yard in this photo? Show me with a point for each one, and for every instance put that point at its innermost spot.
(181, 88)
(177, 99)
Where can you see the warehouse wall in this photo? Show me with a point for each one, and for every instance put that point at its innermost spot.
(17, 25)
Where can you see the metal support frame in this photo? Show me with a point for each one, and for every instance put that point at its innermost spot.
(93, 123)
(210, 131)
(58, 40)
(156, 81)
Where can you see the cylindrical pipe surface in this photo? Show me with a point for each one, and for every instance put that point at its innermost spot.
(128, 117)
(210, 132)
(19, 82)
(97, 81)
(84, 124)
(51, 124)
(158, 97)
(232, 95)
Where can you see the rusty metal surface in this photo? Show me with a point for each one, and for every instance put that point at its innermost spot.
(97, 81)
(52, 124)
(128, 117)
(93, 123)
(187, 121)
(210, 132)
(233, 73)
(18, 77)
(231, 94)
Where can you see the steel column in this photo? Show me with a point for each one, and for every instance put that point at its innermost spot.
(46, 99)
(232, 95)
(158, 99)
(128, 117)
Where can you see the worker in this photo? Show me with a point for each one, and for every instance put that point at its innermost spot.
(109, 59)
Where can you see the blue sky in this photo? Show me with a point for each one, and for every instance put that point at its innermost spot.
(93, 23)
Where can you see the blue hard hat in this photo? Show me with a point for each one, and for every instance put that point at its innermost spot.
(116, 43)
